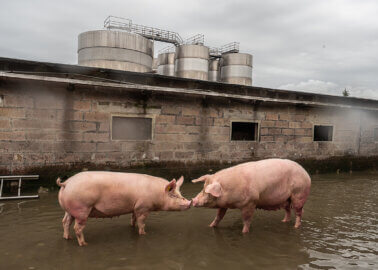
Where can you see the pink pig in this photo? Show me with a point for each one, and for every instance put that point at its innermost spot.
(268, 184)
(109, 194)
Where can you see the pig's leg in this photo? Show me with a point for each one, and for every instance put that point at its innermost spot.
(67, 221)
(219, 217)
(298, 201)
(247, 213)
(81, 217)
(298, 217)
(133, 220)
(79, 227)
(287, 213)
(140, 218)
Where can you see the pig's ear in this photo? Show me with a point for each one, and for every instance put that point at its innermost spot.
(201, 179)
(171, 186)
(180, 181)
(214, 189)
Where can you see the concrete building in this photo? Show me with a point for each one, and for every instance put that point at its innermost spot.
(59, 115)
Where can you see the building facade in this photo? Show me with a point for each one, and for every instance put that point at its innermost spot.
(54, 115)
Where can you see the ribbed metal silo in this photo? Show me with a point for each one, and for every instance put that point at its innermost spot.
(115, 50)
(166, 64)
(214, 70)
(236, 68)
(192, 61)
(154, 65)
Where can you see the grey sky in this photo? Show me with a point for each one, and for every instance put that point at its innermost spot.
(319, 46)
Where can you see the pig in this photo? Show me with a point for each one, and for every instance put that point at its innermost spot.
(268, 184)
(109, 194)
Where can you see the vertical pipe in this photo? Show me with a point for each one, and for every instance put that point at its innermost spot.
(1, 188)
(19, 187)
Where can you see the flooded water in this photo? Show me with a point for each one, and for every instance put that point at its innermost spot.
(339, 231)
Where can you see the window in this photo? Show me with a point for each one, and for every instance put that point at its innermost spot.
(376, 134)
(131, 128)
(244, 131)
(323, 133)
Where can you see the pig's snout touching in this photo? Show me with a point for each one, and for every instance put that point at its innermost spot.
(173, 199)
(198, 202)
(194, 202)
(186, 204)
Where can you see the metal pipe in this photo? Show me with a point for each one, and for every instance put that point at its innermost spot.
(1, 188)
(19, 187)
(20, 197)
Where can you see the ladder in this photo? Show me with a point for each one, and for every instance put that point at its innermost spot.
(18, 178)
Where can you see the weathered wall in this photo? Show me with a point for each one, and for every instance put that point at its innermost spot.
(52, 124)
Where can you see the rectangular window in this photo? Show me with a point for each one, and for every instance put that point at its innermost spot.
(244, 131)
(131, 128)
(323, 133)
(376, 134)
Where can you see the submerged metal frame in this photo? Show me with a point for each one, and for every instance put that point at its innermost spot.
(20, 178)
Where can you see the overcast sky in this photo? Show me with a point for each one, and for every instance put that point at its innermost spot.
(320, 46)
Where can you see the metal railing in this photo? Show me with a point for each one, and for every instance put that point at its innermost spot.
(112, 22)
(168, 49)
(118, 23)
(19, 179)
(232, 47)
(198, 39)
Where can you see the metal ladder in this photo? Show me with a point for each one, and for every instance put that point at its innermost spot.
(20, 178)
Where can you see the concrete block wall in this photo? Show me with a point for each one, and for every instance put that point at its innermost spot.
(52, 124)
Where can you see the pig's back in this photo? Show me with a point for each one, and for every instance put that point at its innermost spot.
(277, 180)
(98, 187)
(103, 180)
(268, 182)
(278, 171)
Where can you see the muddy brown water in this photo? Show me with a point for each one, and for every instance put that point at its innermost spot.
(339, 231)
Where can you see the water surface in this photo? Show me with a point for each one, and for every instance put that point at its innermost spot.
(339, 231)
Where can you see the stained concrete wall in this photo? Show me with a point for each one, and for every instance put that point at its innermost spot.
(46, 123)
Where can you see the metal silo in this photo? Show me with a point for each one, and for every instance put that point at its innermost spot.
(166, 64)
(236, 68)
(214, 70)
(115, 50)
(192, 61)
(154, 65)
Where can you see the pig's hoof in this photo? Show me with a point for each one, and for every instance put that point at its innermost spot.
(296, 226)
(245, 231)
(213, 225)
(83, 244)
(67, 237)
(142, 233)
(285, 220)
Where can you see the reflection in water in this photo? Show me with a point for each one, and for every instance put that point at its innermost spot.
(339, 231)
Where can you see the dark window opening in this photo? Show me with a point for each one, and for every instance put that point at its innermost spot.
(244, 131)
(131, 128)
(376, 134)
(323, 133)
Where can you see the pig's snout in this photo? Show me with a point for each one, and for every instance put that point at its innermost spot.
(195, 202)
(186, 205)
